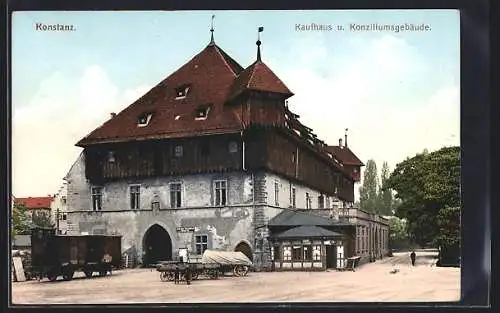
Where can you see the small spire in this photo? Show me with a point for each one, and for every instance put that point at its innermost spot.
(212, 42)
(261, 29)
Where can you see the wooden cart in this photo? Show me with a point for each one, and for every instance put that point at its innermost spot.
(230, 262)
(352, 263)
(213, 265)
(187, 271)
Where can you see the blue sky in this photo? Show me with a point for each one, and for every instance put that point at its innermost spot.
(398, 93)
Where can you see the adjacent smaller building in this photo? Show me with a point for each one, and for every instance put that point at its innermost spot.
(21, 242)
(36, 205)
(303, 240)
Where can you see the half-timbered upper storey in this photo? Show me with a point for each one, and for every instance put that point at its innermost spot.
(213, 115)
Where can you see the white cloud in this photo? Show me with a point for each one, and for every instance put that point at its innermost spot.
(380, 94)
(62, 112)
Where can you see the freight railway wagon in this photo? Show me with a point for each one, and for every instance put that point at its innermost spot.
(60, 255)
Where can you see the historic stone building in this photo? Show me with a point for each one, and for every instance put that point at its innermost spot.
(205, 160)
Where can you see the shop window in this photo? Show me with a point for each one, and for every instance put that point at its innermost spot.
(297, 253)
(287, 253)
(316, 253)
(307, 253)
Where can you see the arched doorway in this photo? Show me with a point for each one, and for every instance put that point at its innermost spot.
(157, 245)
(244, 248)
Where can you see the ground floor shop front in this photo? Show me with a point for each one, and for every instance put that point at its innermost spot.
(308, 255)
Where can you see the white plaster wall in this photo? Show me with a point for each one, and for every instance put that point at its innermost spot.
(78, 188)
(284, 193)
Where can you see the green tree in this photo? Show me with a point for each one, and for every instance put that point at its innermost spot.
(426, 184)
(398, 233)
(385, 201)
(42, 219)
(368, 190)
(20, 220)
(448, 239)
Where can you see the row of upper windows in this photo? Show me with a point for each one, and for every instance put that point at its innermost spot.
(220, 193)
(179, 151)
(322, 200)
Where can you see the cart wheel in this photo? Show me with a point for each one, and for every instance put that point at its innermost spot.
(244, 270)
(164, 276)
(88, 273)
(236, 271)
(214, 274)
(52, 276)
(103, 273)
(240, 270)
(68, 275)
(194, 275)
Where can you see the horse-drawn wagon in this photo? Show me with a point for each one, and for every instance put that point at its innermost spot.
(213, 265)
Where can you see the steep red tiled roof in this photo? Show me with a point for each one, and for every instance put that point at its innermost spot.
(210, 75)
(258, 76)
(345, 155)
(35, 202)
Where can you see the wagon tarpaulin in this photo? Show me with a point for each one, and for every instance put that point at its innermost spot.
(225, 257)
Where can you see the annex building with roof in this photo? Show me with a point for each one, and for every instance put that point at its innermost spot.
(213, 158)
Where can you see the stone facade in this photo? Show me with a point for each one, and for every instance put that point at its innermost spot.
(250, 204)
(252, 200)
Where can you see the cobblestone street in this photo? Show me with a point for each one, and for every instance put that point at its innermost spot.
(371, 282)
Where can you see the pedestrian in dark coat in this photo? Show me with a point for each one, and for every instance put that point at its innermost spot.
(177, 274)
(413, 256)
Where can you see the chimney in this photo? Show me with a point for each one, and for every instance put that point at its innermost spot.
(340, 142)
(346, 137)
(113, 114)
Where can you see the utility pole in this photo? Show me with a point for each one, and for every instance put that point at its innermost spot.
(57, 221)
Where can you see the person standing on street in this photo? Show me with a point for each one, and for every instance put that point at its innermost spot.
(413, 256)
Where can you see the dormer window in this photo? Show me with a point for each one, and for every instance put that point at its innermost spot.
(202, 112)
(181, 92)
(144, 119)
